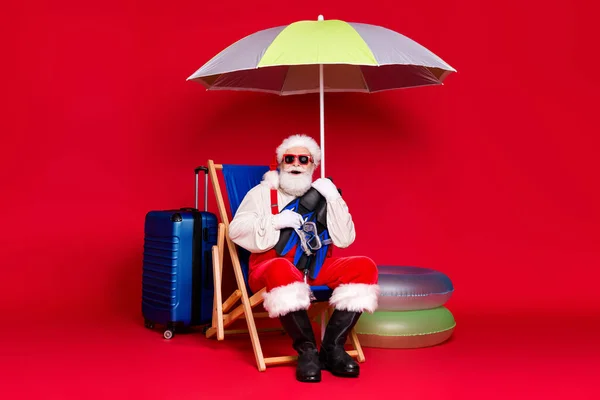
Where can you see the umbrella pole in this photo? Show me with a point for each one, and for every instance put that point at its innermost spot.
(322, 105)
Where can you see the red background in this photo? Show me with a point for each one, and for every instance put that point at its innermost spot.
(491, 178)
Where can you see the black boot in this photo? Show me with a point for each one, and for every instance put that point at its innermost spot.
(333, 357)
(297, 325)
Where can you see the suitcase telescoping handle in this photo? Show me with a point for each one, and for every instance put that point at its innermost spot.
(197, 170)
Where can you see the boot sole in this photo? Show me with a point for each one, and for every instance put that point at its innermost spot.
(309, 380)
(345, 374)
(353, 374)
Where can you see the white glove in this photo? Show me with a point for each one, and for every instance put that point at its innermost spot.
(327, 189)
(287, 219)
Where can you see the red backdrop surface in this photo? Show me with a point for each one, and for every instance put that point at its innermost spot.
(492, 178)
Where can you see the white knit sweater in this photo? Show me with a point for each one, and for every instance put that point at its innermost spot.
(252, 226)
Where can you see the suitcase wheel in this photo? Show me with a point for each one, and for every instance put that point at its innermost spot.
(169, 333)
(149, 324)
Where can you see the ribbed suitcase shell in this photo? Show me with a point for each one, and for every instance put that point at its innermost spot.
(177, 279)
(177, 282)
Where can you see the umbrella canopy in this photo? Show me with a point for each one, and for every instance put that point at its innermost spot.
(323, 56)
(358, 58)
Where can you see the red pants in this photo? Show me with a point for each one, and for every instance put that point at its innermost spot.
(270, 271)
(353, 280)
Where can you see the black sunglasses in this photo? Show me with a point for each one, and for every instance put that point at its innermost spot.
(302, 158)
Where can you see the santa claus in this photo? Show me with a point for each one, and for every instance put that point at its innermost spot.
(265, 223)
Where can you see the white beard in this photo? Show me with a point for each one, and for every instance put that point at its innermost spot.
(295, 184)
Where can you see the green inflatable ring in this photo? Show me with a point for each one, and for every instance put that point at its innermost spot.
(405, 329)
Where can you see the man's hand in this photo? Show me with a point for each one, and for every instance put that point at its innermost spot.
(287, 219)
(326, 188)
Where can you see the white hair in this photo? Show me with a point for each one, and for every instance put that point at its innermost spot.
(300, 141)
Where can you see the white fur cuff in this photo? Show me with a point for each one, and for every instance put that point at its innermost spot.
(357, 297)
(285, 299)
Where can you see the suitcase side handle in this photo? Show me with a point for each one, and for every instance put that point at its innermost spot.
(196, 171)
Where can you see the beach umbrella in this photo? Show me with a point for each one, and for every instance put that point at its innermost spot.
(323, 56)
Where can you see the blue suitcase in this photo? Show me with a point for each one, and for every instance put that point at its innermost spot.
(177, 279)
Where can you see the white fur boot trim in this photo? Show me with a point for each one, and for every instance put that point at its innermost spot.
(285, 299)
(356, 297)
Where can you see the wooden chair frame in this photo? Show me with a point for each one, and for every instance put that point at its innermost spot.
(223, 317)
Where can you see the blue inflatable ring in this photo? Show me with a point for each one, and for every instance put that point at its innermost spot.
(405, 288)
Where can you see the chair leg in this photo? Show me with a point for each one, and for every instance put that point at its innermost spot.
(323, 323)
(218, 305)
(218, 315)
(237, 268)
(239, 277)
(356, 343)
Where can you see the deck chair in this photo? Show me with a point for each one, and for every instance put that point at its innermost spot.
(239, 179)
